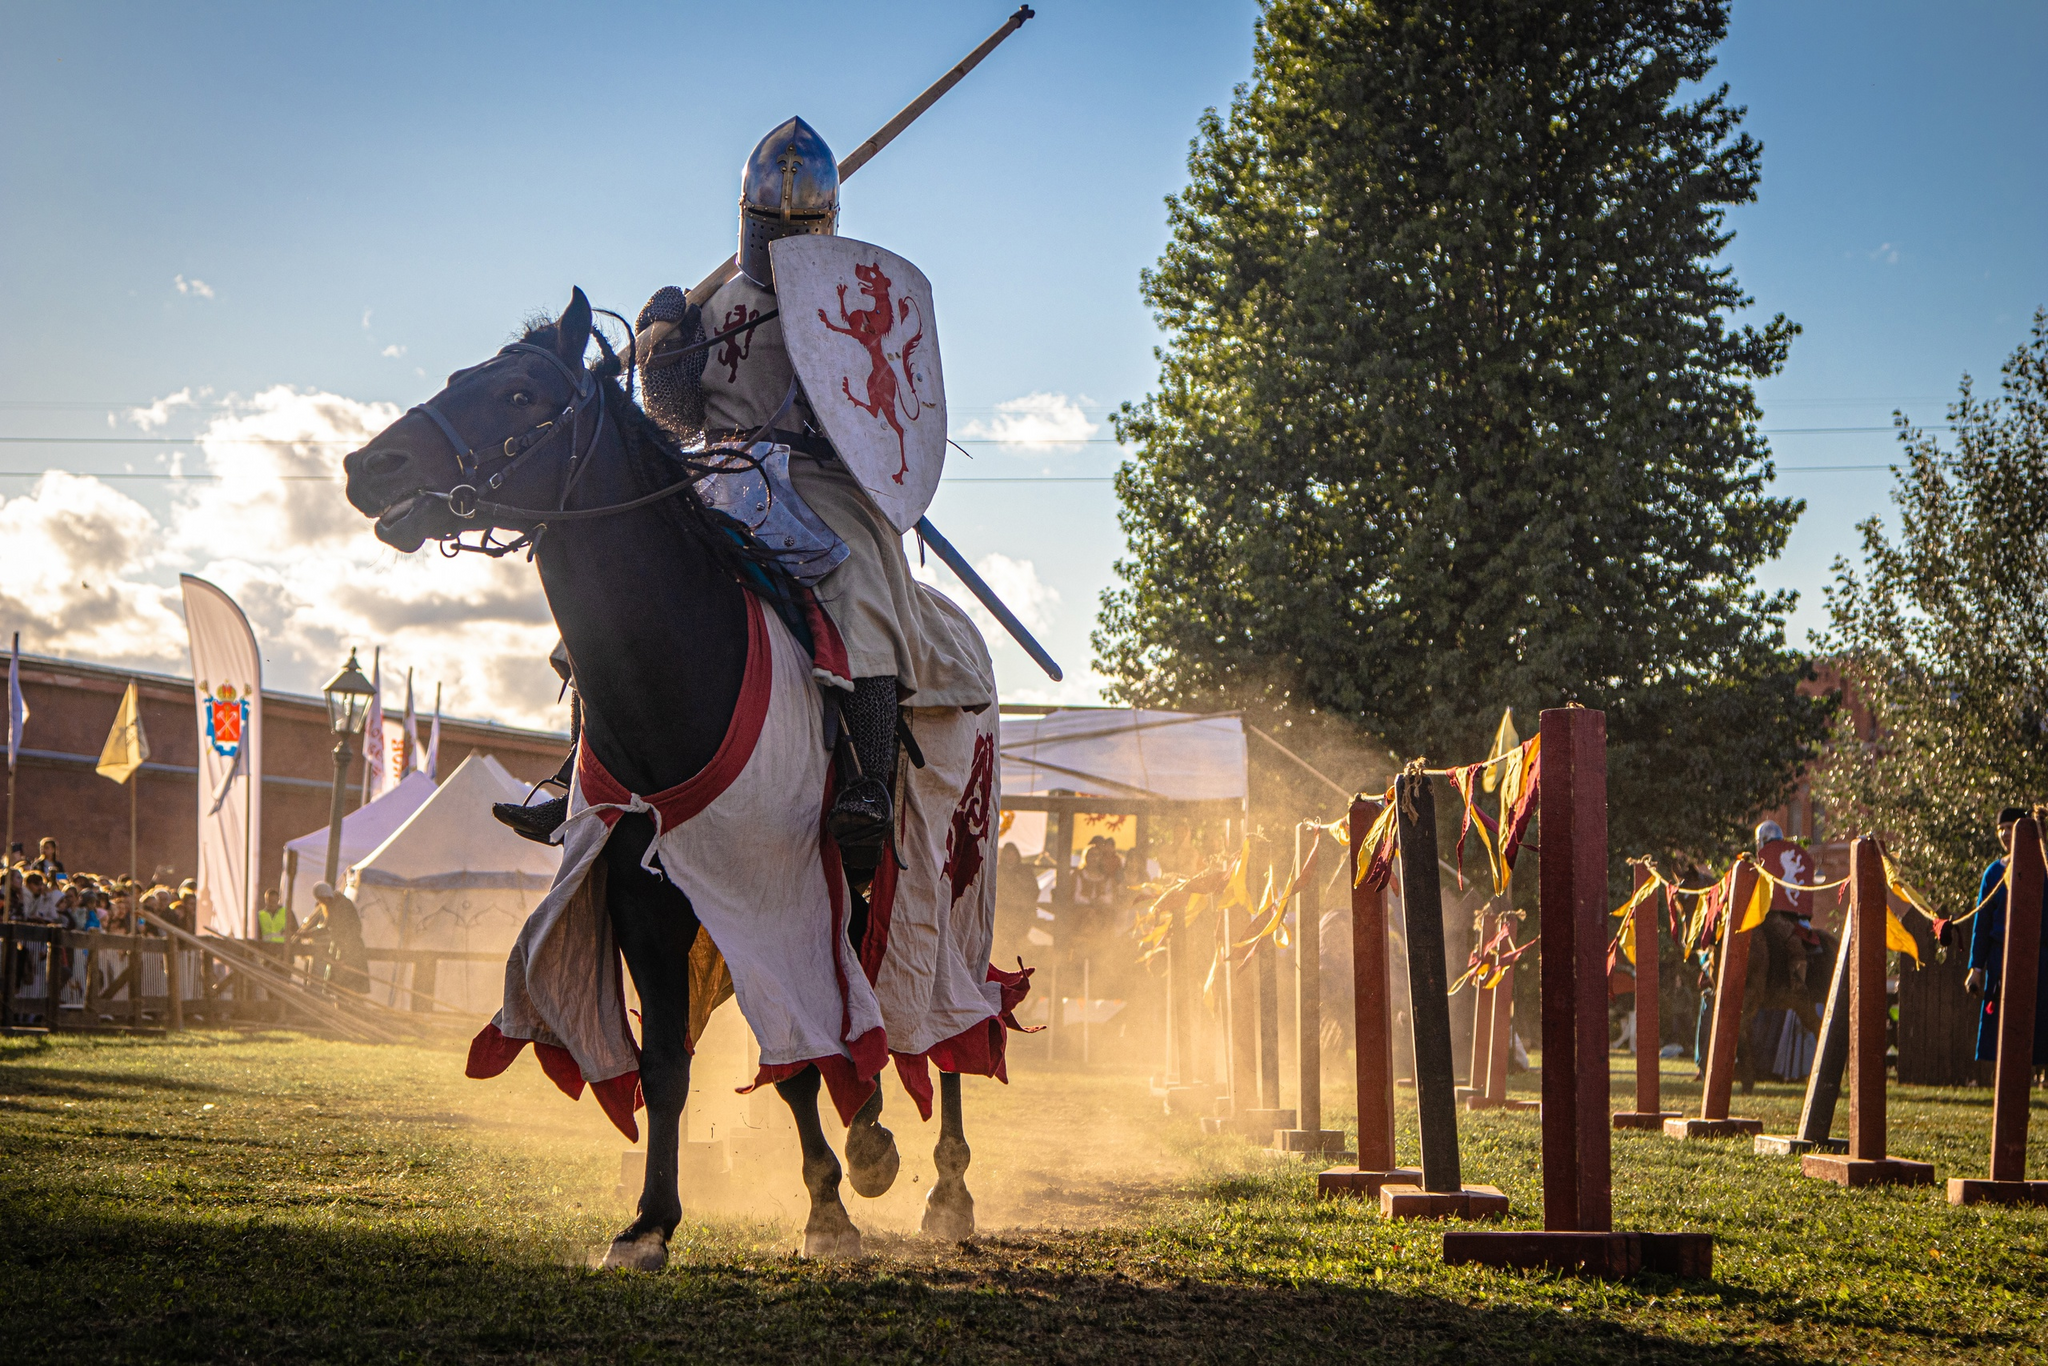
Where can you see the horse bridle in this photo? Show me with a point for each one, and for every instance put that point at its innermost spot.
(462, 500)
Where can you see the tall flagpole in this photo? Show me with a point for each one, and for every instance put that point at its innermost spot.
(13, 749)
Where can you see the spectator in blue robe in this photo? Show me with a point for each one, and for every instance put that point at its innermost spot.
(1987, 953)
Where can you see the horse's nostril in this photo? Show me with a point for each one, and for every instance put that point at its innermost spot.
(381, 463)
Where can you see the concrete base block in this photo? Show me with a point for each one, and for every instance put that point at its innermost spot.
(1851, 1172)
(1507, 1103)
(1645, 1119)
(1712, 1128)
(1784, 1145)
(1611, 1255)
(1298, 1142)
(1342, 1181)
(1465, 1093)
(1970, 1191)
(1401, 1201)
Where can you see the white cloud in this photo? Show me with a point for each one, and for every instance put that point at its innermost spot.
(1016, 582)
(394, 351)
(1035, 420)
(92, 573)
(159, 412)
(1886, 253)
(194, 286)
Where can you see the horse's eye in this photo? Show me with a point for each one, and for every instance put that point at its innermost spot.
(521, 399)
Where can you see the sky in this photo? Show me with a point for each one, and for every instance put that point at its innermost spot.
(237, 240)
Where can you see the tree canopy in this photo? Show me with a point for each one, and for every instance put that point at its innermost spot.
(1944, 636)
(1452, 414)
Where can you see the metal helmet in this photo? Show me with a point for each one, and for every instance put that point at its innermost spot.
(1766, 831)
(789, 186)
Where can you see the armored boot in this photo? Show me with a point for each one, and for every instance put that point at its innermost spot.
(859, 820)
(539, 821)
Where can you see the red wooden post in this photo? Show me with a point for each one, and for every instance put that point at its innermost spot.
(2017, 1004)
(1373, 1015)
(1649, 1112)
(1572, 904)
(1866, 1164)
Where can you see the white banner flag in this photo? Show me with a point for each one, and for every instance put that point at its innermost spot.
(227, 675)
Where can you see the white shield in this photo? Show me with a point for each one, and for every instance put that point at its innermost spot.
(858, 324)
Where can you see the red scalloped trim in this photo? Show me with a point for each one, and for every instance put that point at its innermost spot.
(828, 648)
(849, 1080)
(689, 797)
(619, 1097)
(490, 1053)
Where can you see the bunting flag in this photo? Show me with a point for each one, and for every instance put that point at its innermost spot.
(373, 733)
(1505, 742)
(432, 765)
(1759, 900)
(410, 760)
(1627, 911)
(17, 709)
(1376, 860)
(127, 747)
(1465, 782)
(1517, 805)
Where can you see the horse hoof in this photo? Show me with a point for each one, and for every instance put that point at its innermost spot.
(648, 1252)
(871, 1160)
(832, 1242)
(948, 1217)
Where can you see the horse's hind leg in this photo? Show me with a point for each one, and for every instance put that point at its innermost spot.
(829, 1231)
(655, 927)
(949, 1209)
(871, 1156)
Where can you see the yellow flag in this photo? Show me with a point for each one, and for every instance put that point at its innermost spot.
(127, 747)
(1504, 740)
(1237, 892)
(1759, 902)
(1627, 912)
(1898, 937)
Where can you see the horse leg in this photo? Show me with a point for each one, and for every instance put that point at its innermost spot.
(871, 1157)
(949, 1209)
(828, 1232)
(655, 927)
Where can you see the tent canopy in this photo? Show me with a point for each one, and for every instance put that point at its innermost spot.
(362, 830)
(453, 842)
(1126, 752)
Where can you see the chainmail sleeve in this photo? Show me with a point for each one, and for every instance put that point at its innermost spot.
(674, 394)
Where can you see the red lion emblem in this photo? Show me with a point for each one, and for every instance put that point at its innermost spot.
(970, 818)
(872, 327)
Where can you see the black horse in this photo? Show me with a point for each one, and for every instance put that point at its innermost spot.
(649, 600)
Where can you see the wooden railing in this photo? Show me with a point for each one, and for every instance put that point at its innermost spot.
(238, 983)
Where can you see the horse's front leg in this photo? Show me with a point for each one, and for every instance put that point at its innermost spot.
(655, 927)
(871, 1157)
(949, 1209)
(829, 1232)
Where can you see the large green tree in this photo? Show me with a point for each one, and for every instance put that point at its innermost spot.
(1453, 414)
(1944, 637)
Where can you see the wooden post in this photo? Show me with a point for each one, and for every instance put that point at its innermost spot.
(1721, 1042)
(1578, 1218)
(1244, 1020)
(1572, 899)
(1372, 1011)
(1269, 1027)
(2017, 1006)
(1482, 1025)
(1442, 1192)
(1830, 1060)
(1866, 1164)
(1649, 926)
(1501, 1035)
(1308, 988)
(174, 1007)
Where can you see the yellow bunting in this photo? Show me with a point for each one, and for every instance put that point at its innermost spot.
(1627, 912)
(1898, 937)
(1505, 741)
(1759, 903)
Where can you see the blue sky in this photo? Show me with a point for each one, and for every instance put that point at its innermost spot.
(353, 200)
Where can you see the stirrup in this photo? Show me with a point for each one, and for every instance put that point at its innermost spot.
(537, 822)
(859, 822)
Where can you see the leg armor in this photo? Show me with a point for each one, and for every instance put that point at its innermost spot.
(861, 817)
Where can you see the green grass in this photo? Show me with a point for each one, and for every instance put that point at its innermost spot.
(229, 1197)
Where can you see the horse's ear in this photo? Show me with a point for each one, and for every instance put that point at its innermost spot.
(572, 329)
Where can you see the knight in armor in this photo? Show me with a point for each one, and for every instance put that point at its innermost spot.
(906, 645)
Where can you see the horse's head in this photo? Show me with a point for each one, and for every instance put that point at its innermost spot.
(499, 432)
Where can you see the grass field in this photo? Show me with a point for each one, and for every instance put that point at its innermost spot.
(280, 1198)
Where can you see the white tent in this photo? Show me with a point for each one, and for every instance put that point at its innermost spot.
(1125, 752)
(362, 830)
(453, 878)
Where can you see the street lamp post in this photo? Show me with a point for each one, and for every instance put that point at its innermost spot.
(348, 705)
